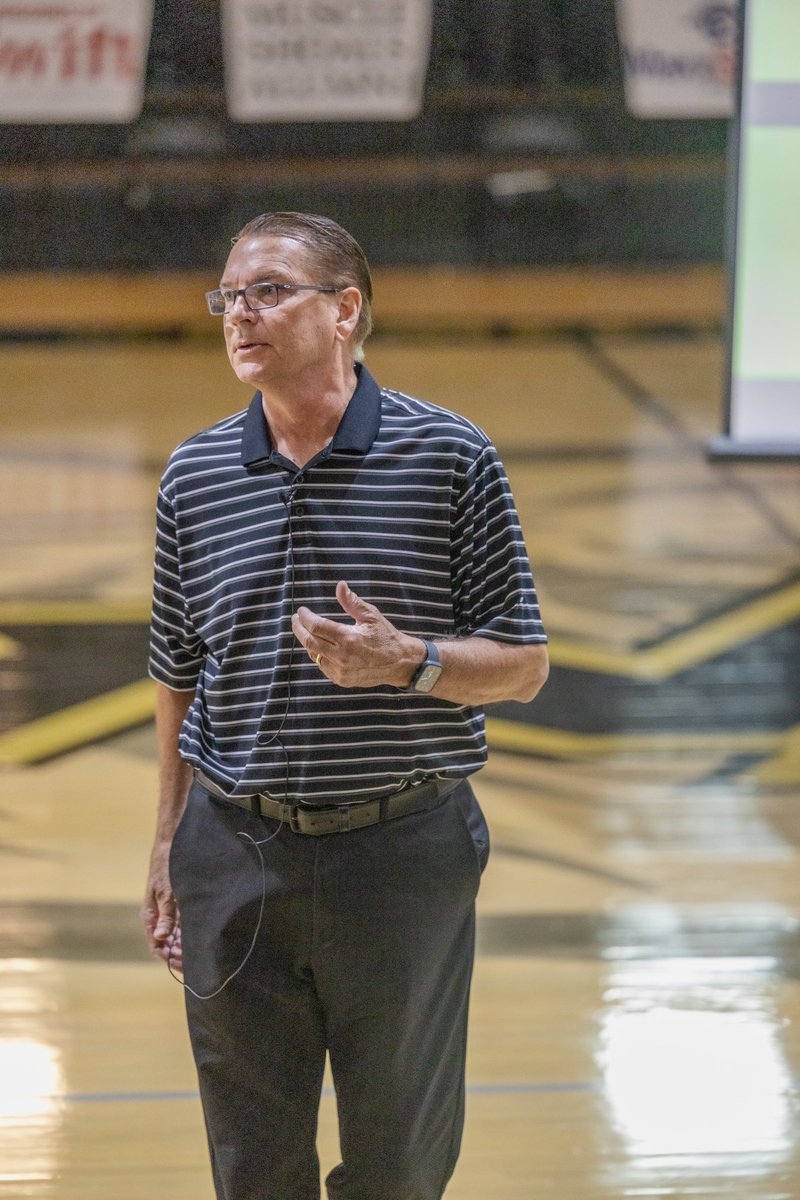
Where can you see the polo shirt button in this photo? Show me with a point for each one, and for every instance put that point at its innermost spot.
(300, 510)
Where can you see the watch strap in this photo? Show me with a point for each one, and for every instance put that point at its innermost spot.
(431, 659)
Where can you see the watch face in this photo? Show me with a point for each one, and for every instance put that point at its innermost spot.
(427, 677)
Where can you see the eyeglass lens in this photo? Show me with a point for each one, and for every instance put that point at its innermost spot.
(258, 295)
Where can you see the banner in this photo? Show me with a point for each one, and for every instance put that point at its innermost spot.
(79, 60)
(678, 56)
(764, 342)
(325, 60)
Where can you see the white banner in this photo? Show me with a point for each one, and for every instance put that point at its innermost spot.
(679, 56)
(764, 343)
(78, 60)
(325, 60)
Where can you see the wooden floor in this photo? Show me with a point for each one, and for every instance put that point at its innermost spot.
(636, 1008)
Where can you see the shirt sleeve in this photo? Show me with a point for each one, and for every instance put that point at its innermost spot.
(177, 651)
(493, 589)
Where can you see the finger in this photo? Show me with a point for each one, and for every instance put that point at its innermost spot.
(308, 625)
(172, 957)
(152, 917)
(175, 958)
(303, 635)
(171, 952)
(167, 920)
(175, 963)
(360, 610)
(300, 624)
(148, 916)
(169, 955)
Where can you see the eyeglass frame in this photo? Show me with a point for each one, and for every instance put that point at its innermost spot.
(234, 293)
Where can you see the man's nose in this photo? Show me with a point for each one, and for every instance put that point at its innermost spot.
(240, 309)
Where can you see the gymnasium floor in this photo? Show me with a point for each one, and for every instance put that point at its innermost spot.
(637, 992)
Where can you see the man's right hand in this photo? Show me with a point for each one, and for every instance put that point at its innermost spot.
(159, 912)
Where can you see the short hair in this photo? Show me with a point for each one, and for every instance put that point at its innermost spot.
(336, 253)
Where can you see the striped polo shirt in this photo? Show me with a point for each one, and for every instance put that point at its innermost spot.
(410, 505)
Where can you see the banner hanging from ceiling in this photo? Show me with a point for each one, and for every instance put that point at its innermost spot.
(78, 60)
(678, 56)
(325, 60)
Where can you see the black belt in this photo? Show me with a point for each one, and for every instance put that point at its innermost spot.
(340, 818)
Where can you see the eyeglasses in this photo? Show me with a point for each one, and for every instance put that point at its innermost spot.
(258, 295)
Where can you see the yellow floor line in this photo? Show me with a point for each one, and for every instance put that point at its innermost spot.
(722, 633)
(569, 652)
(783, 769)
(8, 647)
(73, 612)
(78, 725)
(684, 650)
(563, 743)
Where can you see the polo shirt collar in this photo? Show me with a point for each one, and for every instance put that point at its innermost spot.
(355, 434)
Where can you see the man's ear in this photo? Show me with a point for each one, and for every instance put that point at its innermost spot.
(349, 312)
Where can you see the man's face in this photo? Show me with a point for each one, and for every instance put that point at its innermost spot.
(270, 346)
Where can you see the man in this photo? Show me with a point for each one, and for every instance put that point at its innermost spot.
(340, 581)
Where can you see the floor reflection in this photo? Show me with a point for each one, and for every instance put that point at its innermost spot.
(31, 1080)
(32, 1089)
(693, 1063)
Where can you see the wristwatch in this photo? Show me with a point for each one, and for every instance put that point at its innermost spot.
(428, 671)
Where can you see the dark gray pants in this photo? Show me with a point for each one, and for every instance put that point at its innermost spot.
(366, 951)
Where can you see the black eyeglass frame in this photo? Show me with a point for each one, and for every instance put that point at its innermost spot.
(230, 295)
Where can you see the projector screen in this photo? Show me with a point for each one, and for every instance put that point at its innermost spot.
(764, 342)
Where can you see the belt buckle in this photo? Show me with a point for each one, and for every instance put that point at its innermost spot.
(290, 815)
(344, 819)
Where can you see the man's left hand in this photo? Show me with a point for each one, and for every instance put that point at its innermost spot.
(369, 653)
